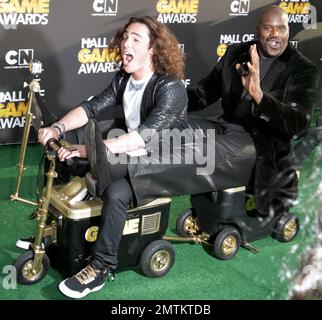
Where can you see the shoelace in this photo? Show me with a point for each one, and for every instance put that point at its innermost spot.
(86, 274)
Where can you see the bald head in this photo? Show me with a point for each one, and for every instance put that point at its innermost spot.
(271, 9)
(272, 31)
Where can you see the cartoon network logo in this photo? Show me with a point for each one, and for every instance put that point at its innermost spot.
(299, 11)
(18, 59)
(177, 11)
(239, 8)
(95, 56)
(25, 12)
(226, 39)
(105, 7)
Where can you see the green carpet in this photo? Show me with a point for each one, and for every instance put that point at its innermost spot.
(196, 274)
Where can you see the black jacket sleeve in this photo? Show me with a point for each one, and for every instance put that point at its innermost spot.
(170, 101)
(104, 100)
(289, 116)
(208, 89)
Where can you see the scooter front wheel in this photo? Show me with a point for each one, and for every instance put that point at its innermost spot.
(157, 258)
(287, 228)
(24, 267)
(227, 243)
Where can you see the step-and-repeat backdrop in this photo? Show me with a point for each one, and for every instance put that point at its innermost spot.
(70, 38)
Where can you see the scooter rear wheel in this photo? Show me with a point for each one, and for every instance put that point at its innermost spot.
(25, 274)
(186, 224)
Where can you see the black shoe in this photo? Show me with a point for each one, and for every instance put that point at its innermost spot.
(25, 243)
(84, 282)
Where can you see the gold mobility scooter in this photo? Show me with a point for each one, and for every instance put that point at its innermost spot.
(68, 219)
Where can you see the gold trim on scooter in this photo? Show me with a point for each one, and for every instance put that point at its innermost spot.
(190, 225)
(30, 273)
(290, 229)
(42, 214)
(160, 261)
(33, 88)
(229, 245)
(69, 201)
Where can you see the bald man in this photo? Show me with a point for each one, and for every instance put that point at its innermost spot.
(268, 87)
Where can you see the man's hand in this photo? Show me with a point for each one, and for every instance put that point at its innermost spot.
(44, 134)
(251, 82)
(79, 151)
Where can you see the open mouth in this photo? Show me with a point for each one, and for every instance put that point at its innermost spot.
(127, 58)
(273, 43)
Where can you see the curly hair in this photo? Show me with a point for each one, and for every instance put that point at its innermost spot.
(168, 57)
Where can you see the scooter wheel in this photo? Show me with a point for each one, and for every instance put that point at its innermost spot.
(186, 224)
(287, 228)
(157, 258)
(227, 243)
(25, 274)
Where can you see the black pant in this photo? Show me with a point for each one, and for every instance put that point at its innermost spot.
(116, 200)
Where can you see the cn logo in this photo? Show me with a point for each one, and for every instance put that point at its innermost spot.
(239, 8)
(21, 57)
(105, 7)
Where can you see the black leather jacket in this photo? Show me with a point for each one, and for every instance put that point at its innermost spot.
(164, 100)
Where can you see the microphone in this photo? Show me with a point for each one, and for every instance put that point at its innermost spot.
(243, 69)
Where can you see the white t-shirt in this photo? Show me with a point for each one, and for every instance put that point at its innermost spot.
(132, 100)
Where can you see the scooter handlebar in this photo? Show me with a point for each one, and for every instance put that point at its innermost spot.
(77, 161)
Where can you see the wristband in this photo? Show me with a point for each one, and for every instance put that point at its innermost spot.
(60, 127)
